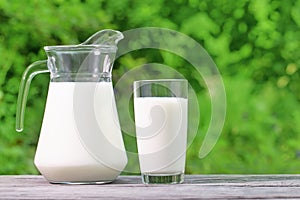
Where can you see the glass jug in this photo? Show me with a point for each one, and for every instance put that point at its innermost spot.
(80, 139)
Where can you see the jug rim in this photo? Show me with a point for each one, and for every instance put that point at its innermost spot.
(87, 47)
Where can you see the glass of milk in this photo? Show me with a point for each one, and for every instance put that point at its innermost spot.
(160, 111)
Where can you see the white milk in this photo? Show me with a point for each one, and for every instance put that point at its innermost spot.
(80, 139)
(161, 129)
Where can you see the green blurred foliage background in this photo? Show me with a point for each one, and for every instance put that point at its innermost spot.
(254, 43)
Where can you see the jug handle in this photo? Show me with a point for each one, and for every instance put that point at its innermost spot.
(32, 70)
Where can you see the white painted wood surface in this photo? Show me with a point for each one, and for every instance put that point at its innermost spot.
(130, 187)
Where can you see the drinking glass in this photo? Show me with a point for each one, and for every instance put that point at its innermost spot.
(160, 111)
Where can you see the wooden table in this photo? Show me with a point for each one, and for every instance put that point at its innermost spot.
(130, 187)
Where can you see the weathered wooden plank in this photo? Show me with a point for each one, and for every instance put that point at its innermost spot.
(130, 187)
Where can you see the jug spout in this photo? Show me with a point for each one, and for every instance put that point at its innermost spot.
(104, 37)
